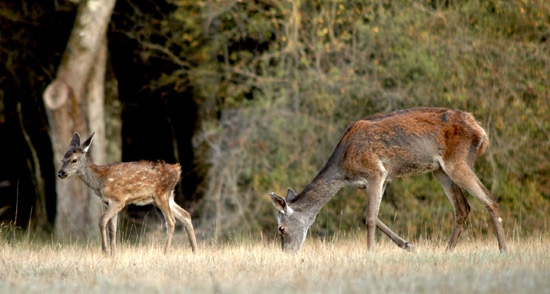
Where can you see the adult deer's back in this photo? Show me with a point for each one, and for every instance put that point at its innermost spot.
(408, 142)
(383, 147)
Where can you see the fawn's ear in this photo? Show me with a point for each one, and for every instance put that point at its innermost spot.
(75, 141)
(86, 145)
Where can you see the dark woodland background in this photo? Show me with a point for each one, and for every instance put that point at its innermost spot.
(252, 96)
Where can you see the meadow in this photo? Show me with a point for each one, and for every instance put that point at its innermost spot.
(338, 265)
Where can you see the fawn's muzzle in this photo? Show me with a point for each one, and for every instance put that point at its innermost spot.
(62, 174)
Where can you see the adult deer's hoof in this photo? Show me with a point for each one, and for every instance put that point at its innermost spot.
(409, 247)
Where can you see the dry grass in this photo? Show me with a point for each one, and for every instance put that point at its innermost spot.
(342, 266)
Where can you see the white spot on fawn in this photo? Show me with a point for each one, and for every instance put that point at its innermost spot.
(499, 220)
(110, 179)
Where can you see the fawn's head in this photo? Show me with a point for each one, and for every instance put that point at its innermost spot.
(293, 225)
(75, 157)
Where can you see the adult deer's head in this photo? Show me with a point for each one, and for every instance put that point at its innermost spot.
(293, 225)
(75, 157)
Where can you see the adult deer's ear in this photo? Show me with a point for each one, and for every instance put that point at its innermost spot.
(277, 201)
(86, 145)
(290, 195)
(75, 141)
(280, 204)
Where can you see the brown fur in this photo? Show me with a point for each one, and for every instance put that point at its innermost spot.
(141, 180)
(123, 183)
(380, 148)
(394, 136)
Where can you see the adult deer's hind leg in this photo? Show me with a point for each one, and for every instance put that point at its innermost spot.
(462, 175)
(461, 208)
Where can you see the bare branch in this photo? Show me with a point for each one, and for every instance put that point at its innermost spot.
(167, 52)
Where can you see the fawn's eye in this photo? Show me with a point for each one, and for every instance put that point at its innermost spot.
(73, 161)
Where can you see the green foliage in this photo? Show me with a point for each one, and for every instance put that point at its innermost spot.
(280, 81)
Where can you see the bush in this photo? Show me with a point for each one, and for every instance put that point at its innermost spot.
(280, 81)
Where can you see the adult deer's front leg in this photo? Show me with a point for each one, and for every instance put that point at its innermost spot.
(374, 193)
(393, 236)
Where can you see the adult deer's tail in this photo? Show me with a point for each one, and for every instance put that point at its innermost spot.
(481, 135)
(483, 145)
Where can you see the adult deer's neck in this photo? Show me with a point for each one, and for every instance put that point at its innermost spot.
(317, 193)
(88, 174)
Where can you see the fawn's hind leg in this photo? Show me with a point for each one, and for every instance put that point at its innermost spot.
(164, 206)
(183, 216)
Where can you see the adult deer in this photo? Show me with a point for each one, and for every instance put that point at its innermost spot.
(383, 147)
(121, 183)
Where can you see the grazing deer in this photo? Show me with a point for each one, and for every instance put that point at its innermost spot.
(122, 183)
(383, 147)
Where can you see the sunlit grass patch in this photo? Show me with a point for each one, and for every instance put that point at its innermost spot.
(323, 266)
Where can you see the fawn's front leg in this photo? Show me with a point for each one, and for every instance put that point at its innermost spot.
(110, 212)
(113, 222)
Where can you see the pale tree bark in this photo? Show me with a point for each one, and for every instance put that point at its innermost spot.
(74, 103)
(96, 120)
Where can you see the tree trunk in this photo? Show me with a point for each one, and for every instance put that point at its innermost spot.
(96, 120)
(72, 100)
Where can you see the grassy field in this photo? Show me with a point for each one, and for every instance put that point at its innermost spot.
(338, 266)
